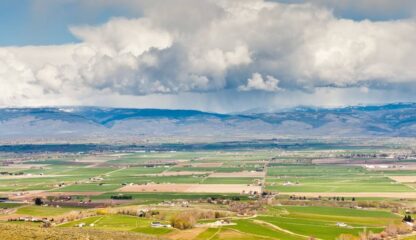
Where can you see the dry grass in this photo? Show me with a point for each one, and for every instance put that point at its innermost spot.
(24, 232)
(29, 176)
(404, 179)
(185, 234)
(231, 234)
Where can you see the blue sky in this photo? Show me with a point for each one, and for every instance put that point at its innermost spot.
(31, 22)
(22, 22)
(375, 10)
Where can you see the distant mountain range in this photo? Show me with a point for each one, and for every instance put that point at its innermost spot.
(72, 123)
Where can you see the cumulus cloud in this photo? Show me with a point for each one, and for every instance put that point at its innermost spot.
(257, 82)
(48, 77)
(124, 36)
(214, 45)
(17, 80)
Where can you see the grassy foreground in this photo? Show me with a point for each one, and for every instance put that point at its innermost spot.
(24, 232)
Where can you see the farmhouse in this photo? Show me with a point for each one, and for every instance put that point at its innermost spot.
(218, 223)
(288, 183)
(160, 225)
(343, 225)
(81, 225)
(96, 179)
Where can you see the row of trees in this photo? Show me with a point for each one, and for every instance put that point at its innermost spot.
(121, 197)
(187, 219)
(293, 197)
(390, 232)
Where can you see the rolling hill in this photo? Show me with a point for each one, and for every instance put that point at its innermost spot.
(71, 123)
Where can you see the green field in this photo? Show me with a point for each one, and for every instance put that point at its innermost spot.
(98, 178)
(311, 178)
(39, 211)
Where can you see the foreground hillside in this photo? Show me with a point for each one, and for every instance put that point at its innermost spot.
(25, 231)
(109, 123)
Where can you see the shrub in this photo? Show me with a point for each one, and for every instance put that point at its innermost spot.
(407, 218)
(219, 215)
(38, 201)
(183, 220)
(393, 230)
(102, 211)
(235, 198)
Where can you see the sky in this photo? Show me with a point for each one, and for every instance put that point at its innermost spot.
(210, 55)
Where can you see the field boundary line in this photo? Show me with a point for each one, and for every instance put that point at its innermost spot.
(252, 234)
(111, 172)
(402, 183)
(325, 221)
(82, 181)
(281, 229)
(218, 230)
(99, 219)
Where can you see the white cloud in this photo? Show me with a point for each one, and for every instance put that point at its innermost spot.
(48, 77)
(257, 82)
(17, 80)
(213, 45)
(349, 53)
(124, 36)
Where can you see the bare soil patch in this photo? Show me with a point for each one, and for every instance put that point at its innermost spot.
(185, 234)
(181, 173)
(192, 188)
(29, 195)
(71, 193)
(389, 167)
(29, 176)
(407, 195)
(244, 174)
(330, 160)
(404, 179)
(209, 164)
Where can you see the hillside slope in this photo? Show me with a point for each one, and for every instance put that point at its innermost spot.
(25, 231)
(105, 123)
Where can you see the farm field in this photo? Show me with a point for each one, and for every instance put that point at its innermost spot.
(208, 120)
(306, 178)
(258, 194)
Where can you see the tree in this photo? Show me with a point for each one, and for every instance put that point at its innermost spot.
(184, 220)
(38, 201)
(407, 218)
